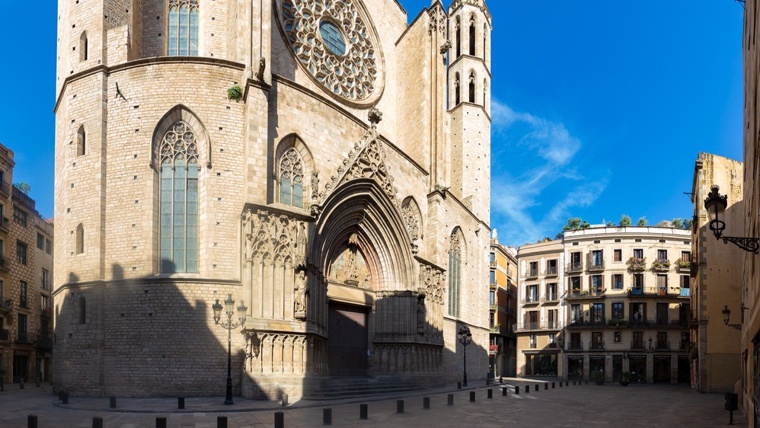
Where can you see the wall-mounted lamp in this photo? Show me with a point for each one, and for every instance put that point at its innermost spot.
(727, 314)
(716, 204)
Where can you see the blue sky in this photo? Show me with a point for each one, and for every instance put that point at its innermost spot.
(599, 107)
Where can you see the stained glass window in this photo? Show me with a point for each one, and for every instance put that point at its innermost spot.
(455, 273)
(291, 178)
(183, 27)
(178, 228)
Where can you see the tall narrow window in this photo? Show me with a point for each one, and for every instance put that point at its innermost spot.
(485, 92)
(472, 88)
(291, 178)
(457, 91)
(459, 36)
(179, 200)
(485, 40)
(81, 141)
(183, 27)
(472, 35)
(83, 46)
(455, 272)
(80, 239)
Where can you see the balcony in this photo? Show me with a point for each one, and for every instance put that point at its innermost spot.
(5, 188)
(683, 266)
(530, 300)
(530, 326)
(636, 264)
(550, 298)
(492, 286)
(637, 344)
(595, 265)
(581, 323)
(684, 345)
(656, 292)
(44, 343)
(5, 264)
(6, 306)
(597, 345)
(585, 294)
(46, 312)
(662, 345)
(492, 264)
(575, 345)
(5, 335)
(661, 265)
(532, 273)
(4, 224)
(551, 271)
(23, 338)
(574, 267)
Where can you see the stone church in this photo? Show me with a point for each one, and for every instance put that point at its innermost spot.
(326, 163)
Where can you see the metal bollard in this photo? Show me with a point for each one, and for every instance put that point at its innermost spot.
(567, 383)
(60, 395)
(399, 406)
(284, 399)
(527, 389)
(450, 400)
(363, 411)
(472, 395)
(501, 379)
(112, 402)
(97, 422)
(279, 420)
(426, 403)
(573, 383)
(535, 387)
(459, 385)
(21, 383)
(161, 422)
(490, 393)
(504, 391)
(327, 416)
(546, 386)
(552, 385)
(221, 422)
(31, 421)
(65, 398)
(517, 389)
(560, 384)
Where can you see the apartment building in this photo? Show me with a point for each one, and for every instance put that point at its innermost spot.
(618, 302)
(503, 309)
(25, 282)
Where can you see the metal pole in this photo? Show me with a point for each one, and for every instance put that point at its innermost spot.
(464, 383)
(228, 399)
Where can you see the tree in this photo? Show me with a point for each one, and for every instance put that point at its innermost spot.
(585, 225)
(687, 223)
(677, 223)
(625, 220)
(642, 222)
(610, 224)
(573, 223)
(23, 187)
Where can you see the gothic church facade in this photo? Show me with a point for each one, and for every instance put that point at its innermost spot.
(323, 162)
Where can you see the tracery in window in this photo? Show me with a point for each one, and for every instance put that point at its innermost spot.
(178, 230)
(457, 98)
(183, 27)
(472, 88)
(291, 178)
(458, 31)
(455, 271)
(472, 35)
(412, 218)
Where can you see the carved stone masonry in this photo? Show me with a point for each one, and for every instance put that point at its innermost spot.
(278, 237)
(437, 20)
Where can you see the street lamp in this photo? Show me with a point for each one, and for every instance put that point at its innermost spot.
(465, 338)
(229, 309)
(727, 314)
(715, 204)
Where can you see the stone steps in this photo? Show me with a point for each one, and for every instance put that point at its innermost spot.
(360, 387)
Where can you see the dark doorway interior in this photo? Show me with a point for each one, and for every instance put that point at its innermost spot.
(661, 369)
(617, 367)
(637, 365)
(20, 368)
(347, 343)
(683, 369)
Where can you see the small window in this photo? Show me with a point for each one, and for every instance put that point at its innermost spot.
(472, 36)
(617, 255)
(662, 254)
(81, 141)
(459, 37)
(618, 311)
(457, 90)
(471, 97)
(492, 277)
(618, 337)
(183, 27)
(291, 178)
(22, 329)
(638, 253)
(492, 298)
(21, 250)
(80, 239)
(48, 246)
(45, 279)
(617, 281)
(23, 295)
(40, 241)
(20, 216)
(83, 46)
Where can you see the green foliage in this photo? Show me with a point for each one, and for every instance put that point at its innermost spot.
(23, 187)
(677, 223)
(687, 223)
(235, 93)
(625, 220)
(573, 223)
(642, 222)
(610, 224)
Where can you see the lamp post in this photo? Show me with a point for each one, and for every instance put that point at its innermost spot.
(727, 314)
(465, 338)
(716, 204)
(229, 308)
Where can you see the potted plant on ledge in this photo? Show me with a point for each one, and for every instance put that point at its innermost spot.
(625, 378)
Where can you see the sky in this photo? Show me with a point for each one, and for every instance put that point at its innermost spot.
(599, 108)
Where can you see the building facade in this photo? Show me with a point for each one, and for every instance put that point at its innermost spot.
(326, 163)
(25, 298)
(621, 304)
(716, 272)
(502, 294)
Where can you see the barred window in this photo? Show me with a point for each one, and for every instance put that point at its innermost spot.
(179, 200)
(183, 27)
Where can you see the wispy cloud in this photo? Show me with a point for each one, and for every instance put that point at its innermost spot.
(536, 156)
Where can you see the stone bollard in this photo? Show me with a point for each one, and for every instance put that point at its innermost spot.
(567, 383)
(65, 398)
(161, 422)
(535, 387)
(284, 399)
(180, 402)
(517, 389)
(221, 422)
(552, 385)
(459, 385)
(546, 386)
(527, 389)
(363, 411)
(490, 393)
(112, 402)
(60, 395)
(399, 406)
(279, 420)
(472, 395)
(501, 379)
(450, 400)
(21, 383)
(504, 391)
(97, 422)
(560, 384)
(573, 383)
(426, 403)
(31, 421)
(327, 416)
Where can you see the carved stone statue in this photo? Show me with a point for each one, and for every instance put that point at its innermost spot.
(300, 298)
(421, 314)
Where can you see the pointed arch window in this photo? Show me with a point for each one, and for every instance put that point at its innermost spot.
(472, 35)
(485, 40)
(183, 27)
(471, 97)
(178, 230)
(291, 178)
(81, 141)
(83, 46)
(485, 92)
(455, 272)
(457, 97)
(459, 36)
(80, 239)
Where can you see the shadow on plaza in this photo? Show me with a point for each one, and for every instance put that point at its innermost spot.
(148, 336)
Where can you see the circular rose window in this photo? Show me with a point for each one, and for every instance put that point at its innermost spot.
(335, 43)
